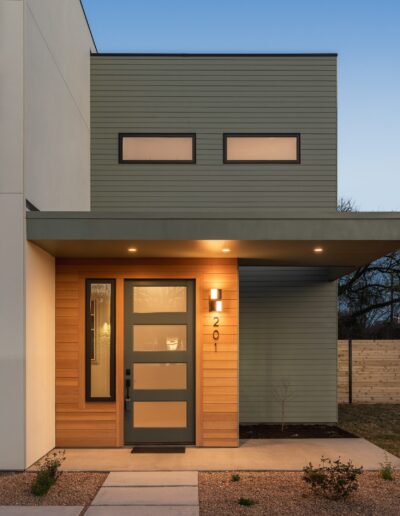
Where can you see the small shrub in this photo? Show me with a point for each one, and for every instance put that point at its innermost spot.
(332, 479)
(42, 483)
(247, 502)
(48, 473)
(235, 477)
(387, 470)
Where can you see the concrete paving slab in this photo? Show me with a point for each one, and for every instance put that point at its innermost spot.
(43, 510)
(252, 454)
(148, 510)
(152, 478)
(182, 495)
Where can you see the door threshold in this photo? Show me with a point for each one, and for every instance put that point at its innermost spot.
(158, 449)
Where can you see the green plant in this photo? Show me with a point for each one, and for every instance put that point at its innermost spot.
(48, 473)
(332, 479)
(235, 477)
(283, 394)
(247, 502)
(387, 470)
(42, 483)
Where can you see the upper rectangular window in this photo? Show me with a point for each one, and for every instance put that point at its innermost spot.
(157, 148)
(100, 340)
(261, 148)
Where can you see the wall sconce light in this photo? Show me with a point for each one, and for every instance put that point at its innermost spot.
(215, 293)
(215, 300)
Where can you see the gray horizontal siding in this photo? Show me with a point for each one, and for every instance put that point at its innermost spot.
(288, 332)
(209, 96)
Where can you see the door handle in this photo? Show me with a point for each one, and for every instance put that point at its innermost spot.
(127, 393)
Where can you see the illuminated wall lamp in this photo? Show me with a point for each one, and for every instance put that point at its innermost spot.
(215, 300)
(215, 293)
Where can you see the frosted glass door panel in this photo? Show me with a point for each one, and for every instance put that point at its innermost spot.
(152, 300)
(159, 376)
(159, 414)
(159, 337)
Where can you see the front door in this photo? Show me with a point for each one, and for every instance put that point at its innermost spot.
(159, 361)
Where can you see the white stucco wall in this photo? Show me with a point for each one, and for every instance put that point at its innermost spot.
(57, 105)
(12, 364)
(11, 96)
(44, 157)
(12, 346)
(57, 45)
(40, 352)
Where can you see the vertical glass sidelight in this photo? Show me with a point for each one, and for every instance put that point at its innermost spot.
(100, 340)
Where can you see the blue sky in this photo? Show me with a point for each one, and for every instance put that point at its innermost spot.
(366, 34)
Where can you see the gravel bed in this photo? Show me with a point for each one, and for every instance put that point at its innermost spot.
(262, 431)
(71, 488)
(278, 493)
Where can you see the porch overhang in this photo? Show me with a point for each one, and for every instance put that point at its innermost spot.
(348, 240)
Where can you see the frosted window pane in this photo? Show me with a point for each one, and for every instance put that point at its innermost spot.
(159, 299)
(157, 148)
(261, 148)
(162, 376)
(159, 414)
(159, 337)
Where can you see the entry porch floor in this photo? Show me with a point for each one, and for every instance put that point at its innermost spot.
(251, 455)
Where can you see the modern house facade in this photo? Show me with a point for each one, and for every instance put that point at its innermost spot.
(177, 264)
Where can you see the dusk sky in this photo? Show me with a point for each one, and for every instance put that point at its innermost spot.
(365, 33)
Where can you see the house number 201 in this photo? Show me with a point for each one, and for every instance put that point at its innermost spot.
(216, 332)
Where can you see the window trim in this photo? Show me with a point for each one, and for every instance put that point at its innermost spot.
(88, 396)
(122, 161)
(255, 135)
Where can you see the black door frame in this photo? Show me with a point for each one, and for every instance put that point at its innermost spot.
(160, 435)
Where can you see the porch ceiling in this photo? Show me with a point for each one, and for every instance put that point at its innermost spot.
(348, 239)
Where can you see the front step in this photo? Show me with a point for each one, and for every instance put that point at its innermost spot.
(142, 511)
(152, 478)
(149, 493)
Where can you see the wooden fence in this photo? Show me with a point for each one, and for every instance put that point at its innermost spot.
(369, 371)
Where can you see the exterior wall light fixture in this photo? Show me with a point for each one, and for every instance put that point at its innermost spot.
(215, 300)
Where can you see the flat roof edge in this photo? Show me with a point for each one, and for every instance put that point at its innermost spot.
(179, 216)
(119, 228)
(215, 54)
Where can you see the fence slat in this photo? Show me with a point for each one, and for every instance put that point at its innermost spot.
(369, 371)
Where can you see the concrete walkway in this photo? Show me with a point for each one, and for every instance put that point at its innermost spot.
(42, 510)
(255, 454)
(147, 494)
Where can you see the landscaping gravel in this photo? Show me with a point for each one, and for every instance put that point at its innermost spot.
(286, 493)
(70, 489)
(263, 431)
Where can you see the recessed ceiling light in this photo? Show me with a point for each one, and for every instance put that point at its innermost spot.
(132, 249)
(318, 250)
(226, 250)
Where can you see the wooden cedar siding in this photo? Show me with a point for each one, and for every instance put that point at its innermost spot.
(375, 371)
(343, 371)
(208, 96)
(80, 424)
(288, 334)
